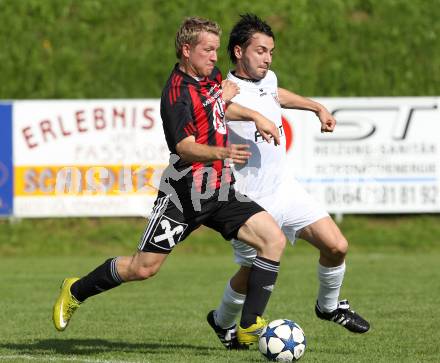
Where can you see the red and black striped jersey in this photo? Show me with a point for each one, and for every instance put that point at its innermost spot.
(191, 107)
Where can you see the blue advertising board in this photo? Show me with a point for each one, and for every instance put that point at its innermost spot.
(6, 167)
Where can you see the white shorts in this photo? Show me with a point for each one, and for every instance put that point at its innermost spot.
(293, 209)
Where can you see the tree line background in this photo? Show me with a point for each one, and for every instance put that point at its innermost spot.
(125, 48)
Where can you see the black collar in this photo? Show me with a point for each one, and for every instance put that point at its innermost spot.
(245, 79)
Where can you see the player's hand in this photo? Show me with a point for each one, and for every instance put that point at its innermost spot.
(238, 153)
(267, 129)
(230, 90)
(328, 122)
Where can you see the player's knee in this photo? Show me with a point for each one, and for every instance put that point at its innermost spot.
(280, 241)
(275, 242)
(145, 272)
(339, 249)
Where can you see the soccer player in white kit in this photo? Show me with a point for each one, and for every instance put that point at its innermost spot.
(265, 179)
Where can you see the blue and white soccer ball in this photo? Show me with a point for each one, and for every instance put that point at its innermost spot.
(282, 340)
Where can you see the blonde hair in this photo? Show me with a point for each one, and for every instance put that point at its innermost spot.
(190, 30)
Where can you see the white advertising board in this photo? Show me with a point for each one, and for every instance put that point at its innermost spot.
(384, 156)
(104, 157)
(87, 157)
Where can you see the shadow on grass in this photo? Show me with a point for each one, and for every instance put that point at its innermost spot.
(96, 346)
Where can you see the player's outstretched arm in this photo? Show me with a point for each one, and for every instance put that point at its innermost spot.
(267, 128)
(292, 100)
(191, 151)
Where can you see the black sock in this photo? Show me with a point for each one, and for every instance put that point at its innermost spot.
(103, 278)
(261, 282)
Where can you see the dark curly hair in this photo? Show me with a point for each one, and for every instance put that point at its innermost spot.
(242, 32)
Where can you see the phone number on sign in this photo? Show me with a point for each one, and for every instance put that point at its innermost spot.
(426, 195)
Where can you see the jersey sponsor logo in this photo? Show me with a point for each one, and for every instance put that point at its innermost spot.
(262, 93)
(219, 117)
(172, 232)
(216, 90)
(285, 131)
(212, 97)
(258, 138)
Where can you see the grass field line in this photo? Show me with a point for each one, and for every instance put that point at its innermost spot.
(64, 359)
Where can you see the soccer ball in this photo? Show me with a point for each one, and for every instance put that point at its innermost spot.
(282, 340)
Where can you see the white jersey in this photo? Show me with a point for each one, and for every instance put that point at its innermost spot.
(263, 173)
(265, 178)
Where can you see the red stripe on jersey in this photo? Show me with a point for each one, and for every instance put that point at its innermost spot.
(217, 165)
(192, 128)
(205, 134)
(197, 175)
(201, 118)
(170, 92)
(178, 83)
(220, 165)
(202, 126)
(174, 87)
(220, 139)
(170, 95)
(218, 77)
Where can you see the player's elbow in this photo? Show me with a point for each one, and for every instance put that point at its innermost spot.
(184, 149)
(183, 155)
(181, 151)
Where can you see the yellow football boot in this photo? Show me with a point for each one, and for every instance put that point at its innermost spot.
(65, 305)
(251, 334)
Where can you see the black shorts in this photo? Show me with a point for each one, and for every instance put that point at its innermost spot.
(172, 220)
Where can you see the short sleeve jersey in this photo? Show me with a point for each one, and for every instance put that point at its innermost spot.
(263, 172)
(195, 107)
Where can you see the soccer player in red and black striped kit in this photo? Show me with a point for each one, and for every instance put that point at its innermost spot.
(197, 187)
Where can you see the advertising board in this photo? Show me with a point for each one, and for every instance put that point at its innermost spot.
(105, 157)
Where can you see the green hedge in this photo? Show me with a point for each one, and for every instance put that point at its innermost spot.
(124, 48)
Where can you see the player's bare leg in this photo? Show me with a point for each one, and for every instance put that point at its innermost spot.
(325, 235)
(140, 266)
(113, 272)
(239, 281)
(262, 233)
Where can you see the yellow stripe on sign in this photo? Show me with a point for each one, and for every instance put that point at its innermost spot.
(87, 180)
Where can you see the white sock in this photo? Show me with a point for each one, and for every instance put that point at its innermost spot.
(330, 282)
(230, 307)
